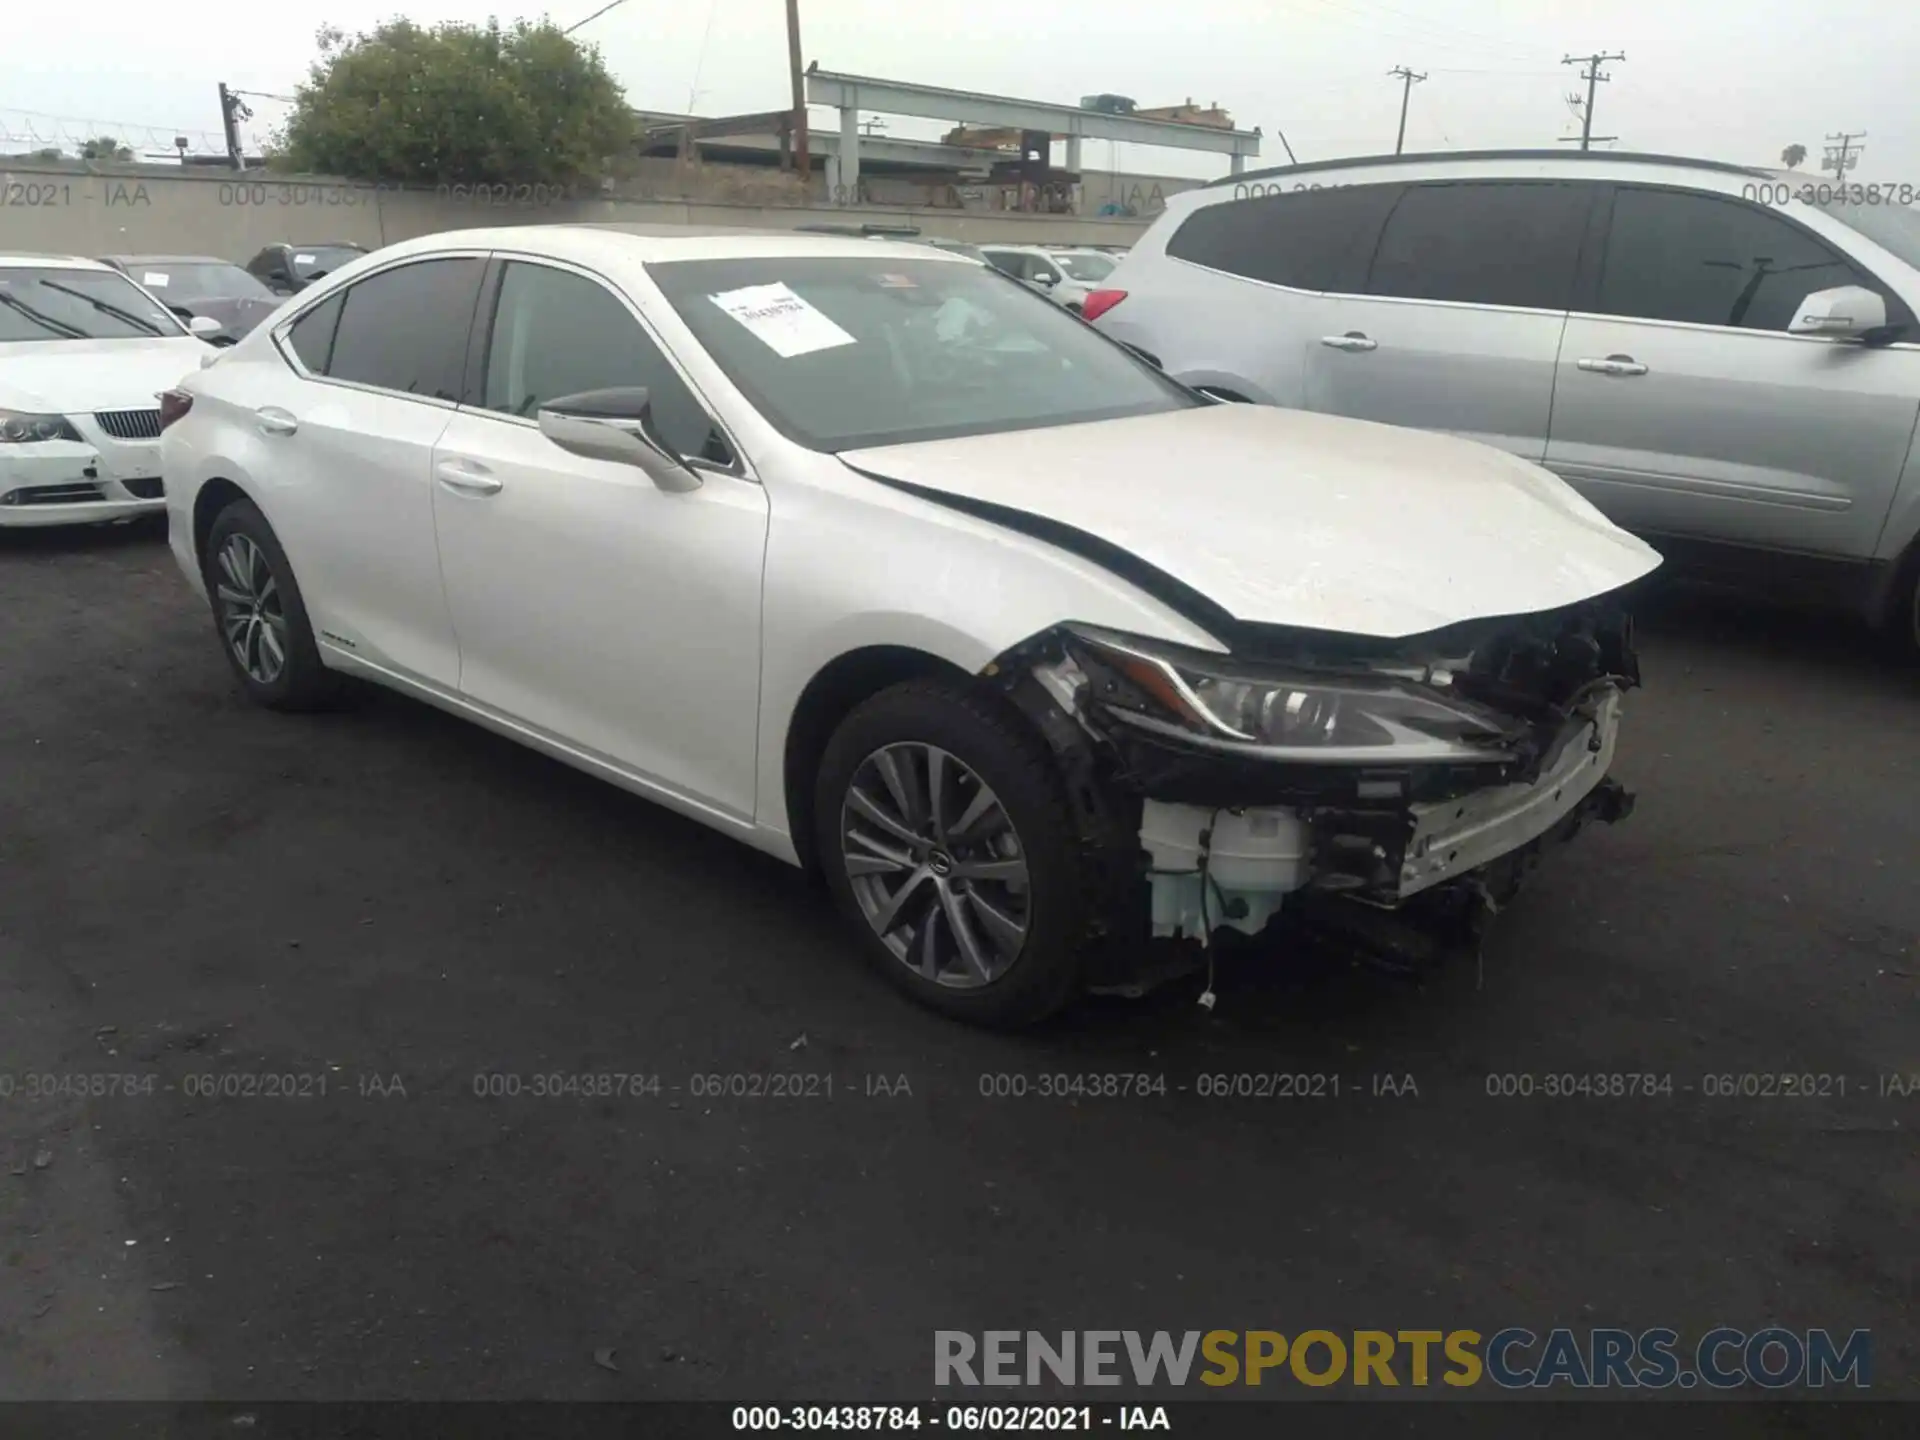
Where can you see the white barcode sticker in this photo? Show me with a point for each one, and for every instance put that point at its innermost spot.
(784, 322)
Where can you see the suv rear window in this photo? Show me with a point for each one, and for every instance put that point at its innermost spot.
(1306, 240)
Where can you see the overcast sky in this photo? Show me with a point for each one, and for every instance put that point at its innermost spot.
(1733, 81)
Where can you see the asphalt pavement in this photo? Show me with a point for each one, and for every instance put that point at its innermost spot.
(401, 918)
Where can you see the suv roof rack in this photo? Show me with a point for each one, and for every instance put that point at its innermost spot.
(868, 231)
(1578, 156)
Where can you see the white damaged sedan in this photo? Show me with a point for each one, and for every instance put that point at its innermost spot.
(872, 558)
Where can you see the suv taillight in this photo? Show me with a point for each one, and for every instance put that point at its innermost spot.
(173, 404)
(1099, 302)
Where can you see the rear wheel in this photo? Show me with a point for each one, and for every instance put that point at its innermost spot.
(260, 616)
(946, 837)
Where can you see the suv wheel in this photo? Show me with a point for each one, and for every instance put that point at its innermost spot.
(946, 837)
(260, 617)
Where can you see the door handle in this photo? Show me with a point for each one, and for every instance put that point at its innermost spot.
(1613, 365)
(1353, 341)
(466, 477)
(272, 420)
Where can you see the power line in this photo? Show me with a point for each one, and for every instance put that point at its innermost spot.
(1593, 77)
(1407, 81)
(1844, 155)
(614, 4)
(1427, 35)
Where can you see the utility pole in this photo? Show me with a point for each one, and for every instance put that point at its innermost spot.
(801, 162)
(1407, 81)
(232, 111)
(1842, 153)
(1593, 77)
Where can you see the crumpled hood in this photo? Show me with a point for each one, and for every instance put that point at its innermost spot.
(1285, 517)
(77, 377)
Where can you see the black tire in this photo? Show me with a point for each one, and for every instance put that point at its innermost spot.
(303, 682)
(992, 740)
(1902, 619)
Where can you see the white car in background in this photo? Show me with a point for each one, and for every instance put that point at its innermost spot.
(859, 554)
(1065, 275)
(84, 354)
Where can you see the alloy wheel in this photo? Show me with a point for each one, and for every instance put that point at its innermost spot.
(935, 864)
(251, 616)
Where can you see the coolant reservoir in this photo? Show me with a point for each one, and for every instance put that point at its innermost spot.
(1255, 857)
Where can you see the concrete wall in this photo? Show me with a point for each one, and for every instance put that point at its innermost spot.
(100, 209)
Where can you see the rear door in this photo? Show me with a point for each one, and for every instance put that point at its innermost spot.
(347, 468)
(1683, 406)
(1457, 324)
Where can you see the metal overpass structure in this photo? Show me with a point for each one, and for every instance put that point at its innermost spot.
(851, 94)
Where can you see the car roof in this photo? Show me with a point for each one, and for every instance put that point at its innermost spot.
(50, 262)
(1572, 159)
(165, 260)
(652, 244)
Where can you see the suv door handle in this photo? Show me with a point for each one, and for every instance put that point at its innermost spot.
(272, 420)
(467, 477)
(1352, 341)
(1614, 365)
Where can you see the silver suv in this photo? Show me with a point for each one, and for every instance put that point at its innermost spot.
(1722, 359)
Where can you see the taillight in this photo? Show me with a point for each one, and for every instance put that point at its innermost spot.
(173, 404)
(1099, 302)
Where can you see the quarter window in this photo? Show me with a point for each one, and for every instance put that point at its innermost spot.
(556, 333)
(405, 329)
(1711, 261)
(1306, 240)
(1483, 243)
(311, 336)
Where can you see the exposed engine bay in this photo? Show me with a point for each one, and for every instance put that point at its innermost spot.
(1367, 785)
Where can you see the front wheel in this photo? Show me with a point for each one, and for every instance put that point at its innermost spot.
(945, 834)
(259, 614)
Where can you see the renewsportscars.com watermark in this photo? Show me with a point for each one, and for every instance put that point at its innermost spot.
(1722, 1358)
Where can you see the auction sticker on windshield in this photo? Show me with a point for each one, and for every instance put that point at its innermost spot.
(153, 277)
(781, 320)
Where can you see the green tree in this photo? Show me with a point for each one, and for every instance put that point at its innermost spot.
(457, 103)
(48, 152)
(105, 147)
(1793, 155)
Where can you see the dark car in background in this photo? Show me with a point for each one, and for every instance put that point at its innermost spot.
(193, 285)
(287, 269)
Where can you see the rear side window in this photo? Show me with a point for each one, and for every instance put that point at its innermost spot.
(405, 329)
(312, 334)
(1483, 243)
(1306, 240)
(1711, 261)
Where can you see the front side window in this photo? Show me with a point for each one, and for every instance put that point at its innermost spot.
(842, 353)
(1483, 242)
(1088, 269)
(1316, 240)
(1706, 260)
(405, 329)
(556, 333)
(49, 303)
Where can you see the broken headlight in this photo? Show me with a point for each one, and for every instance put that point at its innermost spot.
(1331, 718)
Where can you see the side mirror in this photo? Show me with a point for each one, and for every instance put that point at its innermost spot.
(616, 425)
(205, 326)
(1044, 280)
(1846, 312)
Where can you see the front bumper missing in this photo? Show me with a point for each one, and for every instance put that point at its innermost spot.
(1391, 860)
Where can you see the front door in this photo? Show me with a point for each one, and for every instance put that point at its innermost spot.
(1685, 408)
(589, 603)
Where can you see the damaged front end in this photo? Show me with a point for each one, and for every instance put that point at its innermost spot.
(1390, 792)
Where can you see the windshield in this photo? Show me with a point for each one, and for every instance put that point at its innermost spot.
(312, 260)
(1894, 227)
(58, 304)
(841, 353)
(197, 280)
(1084, 267)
